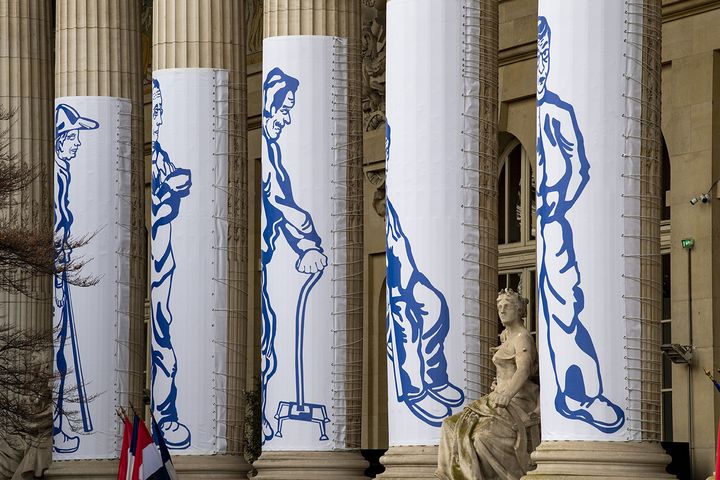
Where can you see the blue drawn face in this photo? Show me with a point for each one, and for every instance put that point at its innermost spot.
(543, 56)
(156, 113)
(279, 117)
(67, 147)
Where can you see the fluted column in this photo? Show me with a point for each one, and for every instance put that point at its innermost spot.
(630, 447)
(26, 88)
(342, 244)
(98, 55)
(441, 180)
(200, 34)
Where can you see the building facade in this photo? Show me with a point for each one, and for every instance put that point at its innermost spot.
(165, 34)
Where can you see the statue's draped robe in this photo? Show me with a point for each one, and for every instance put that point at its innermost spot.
(486, 442)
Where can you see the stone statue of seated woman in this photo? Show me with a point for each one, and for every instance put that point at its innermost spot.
(492, 438)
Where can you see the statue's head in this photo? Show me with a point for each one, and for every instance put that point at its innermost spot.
(157, 109)
(278, 99)
(543, 55)
(511, 306)
(68, 124)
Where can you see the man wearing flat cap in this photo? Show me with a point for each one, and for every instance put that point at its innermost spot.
(281, 217)
(68, 125)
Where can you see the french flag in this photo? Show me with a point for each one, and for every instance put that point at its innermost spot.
(125, 450)
(164, 453)
(146, 461)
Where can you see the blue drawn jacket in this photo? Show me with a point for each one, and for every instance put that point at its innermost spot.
(281, 213)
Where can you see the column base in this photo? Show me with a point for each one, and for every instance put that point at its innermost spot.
(599, 460)
(410, 462)
(188, 467)
(301, 465)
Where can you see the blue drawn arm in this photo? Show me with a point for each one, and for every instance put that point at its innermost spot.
(167, 191)
(298, 226)
(572, 145)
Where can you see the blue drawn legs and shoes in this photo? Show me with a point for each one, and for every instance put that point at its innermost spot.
(62, 442)
(164, 369)
(418, 324)
(575, 364)
(268, 358)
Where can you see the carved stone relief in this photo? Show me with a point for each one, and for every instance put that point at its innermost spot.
(254, 25)
(377, 180)
(373, 63)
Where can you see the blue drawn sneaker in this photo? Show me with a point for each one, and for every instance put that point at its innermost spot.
(428, 409)
(63, 443)
(599, 412)
(448, 394)
(176, 435)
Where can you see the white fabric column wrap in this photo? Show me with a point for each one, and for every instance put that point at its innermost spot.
(92, 201)
(589, 79)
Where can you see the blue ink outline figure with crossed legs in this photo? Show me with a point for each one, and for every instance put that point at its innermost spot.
(68, 125)
(282, 216)
(169, 185)
(563, 173)
(418, 321)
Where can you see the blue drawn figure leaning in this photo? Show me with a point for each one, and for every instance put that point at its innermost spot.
(282, 217)
(169, 185)
(418, 321)
(563, 172)
(68, 125)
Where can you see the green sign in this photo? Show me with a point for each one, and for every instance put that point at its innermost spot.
(688, 243)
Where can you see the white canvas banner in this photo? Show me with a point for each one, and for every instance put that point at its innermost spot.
(189, 293)
(426, 311)
(587, 208)
(299, 133)
(92, 201)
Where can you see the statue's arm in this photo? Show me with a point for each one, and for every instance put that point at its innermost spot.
(524, 361)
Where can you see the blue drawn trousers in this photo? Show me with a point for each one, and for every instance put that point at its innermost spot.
(268, 358)
(60, 359)
(67, 340)
(164, 361)
(572, 352)
(420, 327)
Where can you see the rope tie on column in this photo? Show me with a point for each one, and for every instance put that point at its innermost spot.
(479, 223)
(643, 291)
(346, 260)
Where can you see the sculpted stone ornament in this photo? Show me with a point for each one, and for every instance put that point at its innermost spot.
(492, 438)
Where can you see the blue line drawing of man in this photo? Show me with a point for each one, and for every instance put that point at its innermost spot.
(418, 321)
(68, 125)
(281, 216)
(563, 172)
(169, 185)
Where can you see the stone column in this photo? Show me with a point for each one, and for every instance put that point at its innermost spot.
(98, 54)
(26, 88)
(211, 34)
(335, 18)
(640, 455)
(458, 40)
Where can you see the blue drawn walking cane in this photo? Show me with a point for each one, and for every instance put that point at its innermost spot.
(300, 410)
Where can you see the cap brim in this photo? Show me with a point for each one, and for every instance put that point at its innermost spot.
(85, 124)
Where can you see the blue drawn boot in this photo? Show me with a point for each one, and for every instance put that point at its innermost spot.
(575, 404)
(176, 435)
(448, 394)
(64, 443)
(428, 409)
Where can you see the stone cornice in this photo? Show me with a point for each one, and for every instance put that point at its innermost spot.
(687, 8)
(671, 12)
